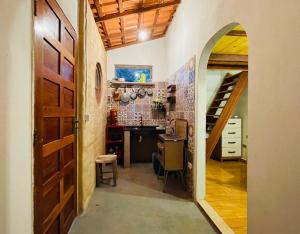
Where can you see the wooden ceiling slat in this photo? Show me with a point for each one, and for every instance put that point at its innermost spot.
(138, 10)
(126, 32)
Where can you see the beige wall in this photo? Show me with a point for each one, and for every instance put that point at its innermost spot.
(241, 110)
(147, 53)
(274, 107)
(92, 115)
(70, 8)
(16, 117)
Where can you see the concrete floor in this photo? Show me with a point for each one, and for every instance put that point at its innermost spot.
(138, 206)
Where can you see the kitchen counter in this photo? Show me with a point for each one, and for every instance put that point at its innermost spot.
(143, 128)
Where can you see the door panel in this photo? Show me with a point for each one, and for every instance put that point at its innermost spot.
(55, 112)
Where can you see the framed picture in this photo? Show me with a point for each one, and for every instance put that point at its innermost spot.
(134, 73)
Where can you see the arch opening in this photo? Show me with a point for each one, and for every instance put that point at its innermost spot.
(224, 56)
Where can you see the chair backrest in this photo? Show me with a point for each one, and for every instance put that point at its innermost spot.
(181, 128)
(173, 155)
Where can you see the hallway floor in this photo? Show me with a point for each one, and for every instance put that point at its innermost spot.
(138, 206)
(226, 192)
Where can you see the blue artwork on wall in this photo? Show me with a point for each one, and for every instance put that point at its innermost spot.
(134, 73)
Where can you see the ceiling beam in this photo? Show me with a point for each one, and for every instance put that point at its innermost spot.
(237, 33)
(227, 67)
(120, 4)
(155, 21)
(228, 58)
(137, 11)
(228, 62)
(141, 5)
(134, 42)
(100, 13)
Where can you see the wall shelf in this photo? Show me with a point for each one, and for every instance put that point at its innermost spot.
(117, 84)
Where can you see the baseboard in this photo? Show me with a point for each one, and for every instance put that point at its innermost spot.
(215, 218)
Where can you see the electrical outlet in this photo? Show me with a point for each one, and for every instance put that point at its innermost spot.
(87, 117)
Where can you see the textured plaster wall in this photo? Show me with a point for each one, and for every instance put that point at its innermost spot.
(92, 114)
(16, 193)
(273, 92)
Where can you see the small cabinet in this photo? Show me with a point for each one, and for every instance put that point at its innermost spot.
(230, 143)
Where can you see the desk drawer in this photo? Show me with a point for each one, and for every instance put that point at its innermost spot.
(231, 152)
(231, 142)
(234, 123)
(230, 132)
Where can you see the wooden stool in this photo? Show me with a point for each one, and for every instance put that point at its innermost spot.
(104, 159)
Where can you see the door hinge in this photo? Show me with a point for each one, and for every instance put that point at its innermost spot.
(35, 7)
(35, 136)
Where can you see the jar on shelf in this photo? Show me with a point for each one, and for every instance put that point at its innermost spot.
(113, 116)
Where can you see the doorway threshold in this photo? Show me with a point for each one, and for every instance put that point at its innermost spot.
(215, 218)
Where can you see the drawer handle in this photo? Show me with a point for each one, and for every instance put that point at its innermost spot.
(231, 133)
(232, 123)
(231, 152)
(231, 142)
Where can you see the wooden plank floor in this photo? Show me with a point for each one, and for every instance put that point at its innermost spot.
(226, 192)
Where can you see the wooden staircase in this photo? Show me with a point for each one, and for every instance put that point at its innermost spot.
(222, 108)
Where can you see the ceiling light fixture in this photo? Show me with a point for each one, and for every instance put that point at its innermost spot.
(143, 35)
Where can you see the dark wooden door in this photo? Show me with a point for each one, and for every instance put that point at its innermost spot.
(55, 177)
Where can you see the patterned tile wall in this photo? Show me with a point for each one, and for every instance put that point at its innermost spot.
(184, 79)
(129, 114)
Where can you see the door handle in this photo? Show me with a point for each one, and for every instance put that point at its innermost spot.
(140, 139)
(75, 125)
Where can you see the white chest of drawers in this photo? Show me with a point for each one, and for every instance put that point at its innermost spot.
(230, 143)
(232, 139)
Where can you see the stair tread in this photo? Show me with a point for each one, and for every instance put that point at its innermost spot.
(221, 99)
(229, 83)
(213, 115)
(226, 91)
